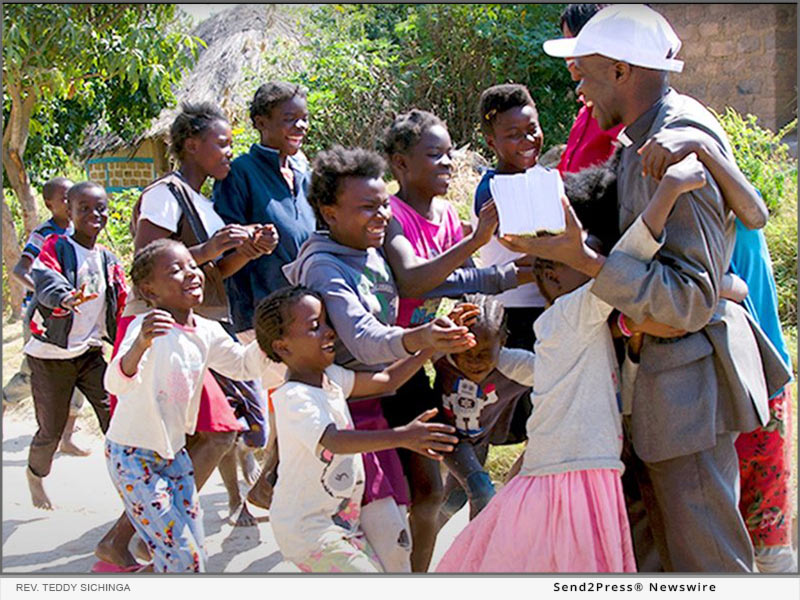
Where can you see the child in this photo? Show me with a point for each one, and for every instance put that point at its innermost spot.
(173, 207)
(65, 349)
(510, 124)
(157, 376)
(19, 386)
(316, 510)
(348, 268)
(479, 390)
(418, 148)
(269, 184)
(565, 512)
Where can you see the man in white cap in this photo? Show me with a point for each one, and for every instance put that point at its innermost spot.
(692, 394)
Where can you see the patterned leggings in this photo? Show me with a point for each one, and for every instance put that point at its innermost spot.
(161, 501)
(765, 464)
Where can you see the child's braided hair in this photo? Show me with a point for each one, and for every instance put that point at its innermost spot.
(193, 120)
(406, 130)
(498, 99)
(270, 94)
(492, 315)
(145, 259)
(331, 166)
(272, 316)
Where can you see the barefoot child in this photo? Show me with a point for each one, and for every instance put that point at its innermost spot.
(80, 294)
(173, 207)
(347, 266)
(565, 511)
(418, 148)
(316, 510)
(157, 376)
(478, 390)
(268, 185)
(18, 388)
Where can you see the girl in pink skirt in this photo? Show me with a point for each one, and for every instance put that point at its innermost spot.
(565, 511)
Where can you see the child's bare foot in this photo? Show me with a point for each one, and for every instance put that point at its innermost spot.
(140, 550)
(113, 546)
(260, 494)
(71, 448)
(241, 517)
(38, 495)
(248, 464)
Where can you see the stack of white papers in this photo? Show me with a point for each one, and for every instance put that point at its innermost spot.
(529, 203)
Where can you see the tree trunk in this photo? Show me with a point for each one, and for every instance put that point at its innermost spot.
(11, 254)
(15, 138)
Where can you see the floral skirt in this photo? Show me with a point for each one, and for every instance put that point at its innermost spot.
(765, 463)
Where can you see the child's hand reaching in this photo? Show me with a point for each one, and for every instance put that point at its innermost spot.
(445, 336)
(525, 273)
(464, 314)
(156, 324)
(428, 439)
(665, 148)
(686, 175)
(487, 223)
(77, 298)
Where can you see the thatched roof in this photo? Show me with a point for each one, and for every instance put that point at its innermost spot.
(235, 39)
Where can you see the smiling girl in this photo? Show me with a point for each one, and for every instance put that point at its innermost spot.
(316, 514)
(173, 207)
(158, 376)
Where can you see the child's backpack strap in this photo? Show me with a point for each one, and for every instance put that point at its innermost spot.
(191, 232)
(138, 206)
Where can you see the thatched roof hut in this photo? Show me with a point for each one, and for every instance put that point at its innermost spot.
(235, 42)
(236, 39)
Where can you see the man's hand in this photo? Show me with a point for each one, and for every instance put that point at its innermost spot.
(568, 247)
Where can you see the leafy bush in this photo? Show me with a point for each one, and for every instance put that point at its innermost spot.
(117, 235)
(363, 64)
(761, 156)
(451, 52)
(769, 166)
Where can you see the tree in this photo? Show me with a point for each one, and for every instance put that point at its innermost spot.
(56, 52)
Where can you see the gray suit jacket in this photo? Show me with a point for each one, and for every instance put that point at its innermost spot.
(719, 377)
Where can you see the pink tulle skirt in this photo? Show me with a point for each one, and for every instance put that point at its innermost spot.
(571, 522)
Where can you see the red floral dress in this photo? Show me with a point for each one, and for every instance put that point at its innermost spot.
(765, 463)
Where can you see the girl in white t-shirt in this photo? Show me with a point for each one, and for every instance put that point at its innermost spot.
(315, 512)
(157, 376)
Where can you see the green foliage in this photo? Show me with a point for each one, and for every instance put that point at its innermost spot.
(452, 52)
(117, 234)
(769, 166)
(350, 74)
(363, 64)
(761, 156)
(88, 64)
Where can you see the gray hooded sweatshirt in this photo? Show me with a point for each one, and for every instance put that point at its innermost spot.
(362, 299)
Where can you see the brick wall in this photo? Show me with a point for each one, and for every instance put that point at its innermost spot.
(121, 170)
(739, 55)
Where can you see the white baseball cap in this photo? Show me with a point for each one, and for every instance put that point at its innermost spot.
(631, 33)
